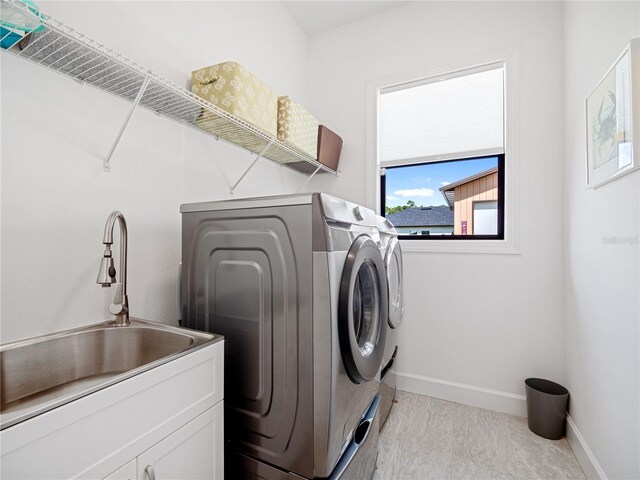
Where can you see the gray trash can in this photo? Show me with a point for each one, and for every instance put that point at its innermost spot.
(546, 407)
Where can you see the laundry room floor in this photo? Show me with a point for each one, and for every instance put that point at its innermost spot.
(428, 438)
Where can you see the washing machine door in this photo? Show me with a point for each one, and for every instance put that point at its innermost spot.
(393, 264)
(363, 310)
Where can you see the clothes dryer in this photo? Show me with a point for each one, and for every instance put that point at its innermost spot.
(392, 254)
(298, 286)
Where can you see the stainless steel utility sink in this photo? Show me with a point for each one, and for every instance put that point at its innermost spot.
(45, 372)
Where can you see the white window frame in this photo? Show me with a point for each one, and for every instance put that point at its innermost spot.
(512, 126)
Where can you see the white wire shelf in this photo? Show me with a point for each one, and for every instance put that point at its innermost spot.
(54, 45)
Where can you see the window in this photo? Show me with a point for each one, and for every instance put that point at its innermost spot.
(441, 155)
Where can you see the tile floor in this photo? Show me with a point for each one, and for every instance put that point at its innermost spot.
(426, 438)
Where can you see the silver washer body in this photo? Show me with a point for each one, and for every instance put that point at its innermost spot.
(392, 254)
(267, 273)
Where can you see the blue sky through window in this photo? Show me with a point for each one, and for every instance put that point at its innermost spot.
(421, 183)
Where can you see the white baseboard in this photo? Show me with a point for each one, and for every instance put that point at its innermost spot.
(495, 400)
(583, 453)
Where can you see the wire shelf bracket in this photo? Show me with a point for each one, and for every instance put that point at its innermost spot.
(107, 161)
(307, 180)
(255, 160)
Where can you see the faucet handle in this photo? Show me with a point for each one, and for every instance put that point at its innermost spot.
(117, 309)
(118, 297)
(119, 304)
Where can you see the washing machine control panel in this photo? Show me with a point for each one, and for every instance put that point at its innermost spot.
(346, 212)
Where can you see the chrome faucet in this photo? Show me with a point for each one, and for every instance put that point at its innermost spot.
(107, 274)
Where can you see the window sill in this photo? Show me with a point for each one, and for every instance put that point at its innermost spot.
(481, 247)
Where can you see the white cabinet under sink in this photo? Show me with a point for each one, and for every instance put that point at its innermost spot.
(169, 418)
(192, 453)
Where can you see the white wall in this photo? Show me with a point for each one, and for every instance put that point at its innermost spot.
(475, 347)
(602, 278)
(55, 134)
(476, 325)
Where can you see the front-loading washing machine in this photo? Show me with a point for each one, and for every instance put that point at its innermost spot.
(298, 286)
(392, 254)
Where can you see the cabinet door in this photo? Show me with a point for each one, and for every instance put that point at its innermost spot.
(126, 472)
(194, 452)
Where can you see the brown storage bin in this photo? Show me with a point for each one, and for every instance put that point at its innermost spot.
(329, 147)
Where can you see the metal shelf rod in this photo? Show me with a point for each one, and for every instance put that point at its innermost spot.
(308, 179)
(258, 157)
(107, 161)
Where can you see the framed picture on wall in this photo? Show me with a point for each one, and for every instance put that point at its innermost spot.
(613, 120)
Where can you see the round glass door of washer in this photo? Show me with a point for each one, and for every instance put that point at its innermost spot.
(363, 310)
(393, 265)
